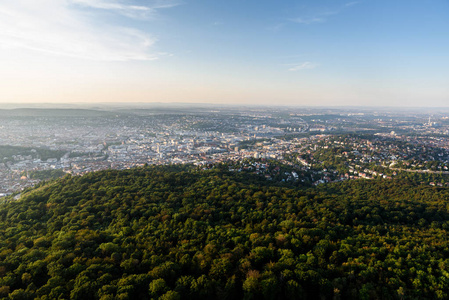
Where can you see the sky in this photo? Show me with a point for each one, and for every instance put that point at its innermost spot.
(261, 52)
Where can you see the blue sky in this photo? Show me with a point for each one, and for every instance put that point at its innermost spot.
(393, 53)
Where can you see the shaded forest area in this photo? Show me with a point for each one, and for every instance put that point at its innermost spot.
(7, 153)
(175, 232)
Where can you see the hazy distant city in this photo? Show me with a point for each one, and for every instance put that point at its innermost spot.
(305, 146)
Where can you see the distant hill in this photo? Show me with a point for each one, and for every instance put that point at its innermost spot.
(176, 232)
(101, 111)
(53, 112)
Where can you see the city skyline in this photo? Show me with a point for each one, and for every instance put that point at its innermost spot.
(300, 53)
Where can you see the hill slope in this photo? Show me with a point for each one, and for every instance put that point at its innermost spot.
(174, 232)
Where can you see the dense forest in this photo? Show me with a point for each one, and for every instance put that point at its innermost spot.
(8, 153)
(44, 174)
(176, 232)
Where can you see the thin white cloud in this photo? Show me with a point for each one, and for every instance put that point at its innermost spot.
(317, 18)
(128, 10)
(303, 66)
(300, 55)
(62, 27)
(132, 11)
(321, 17)
(276, 28)
(352, 3)
(308, 20)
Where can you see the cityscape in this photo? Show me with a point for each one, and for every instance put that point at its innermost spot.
(307, 146)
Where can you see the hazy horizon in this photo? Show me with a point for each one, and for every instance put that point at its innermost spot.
(210, 106)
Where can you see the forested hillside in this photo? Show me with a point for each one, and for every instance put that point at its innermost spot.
(181, 233)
